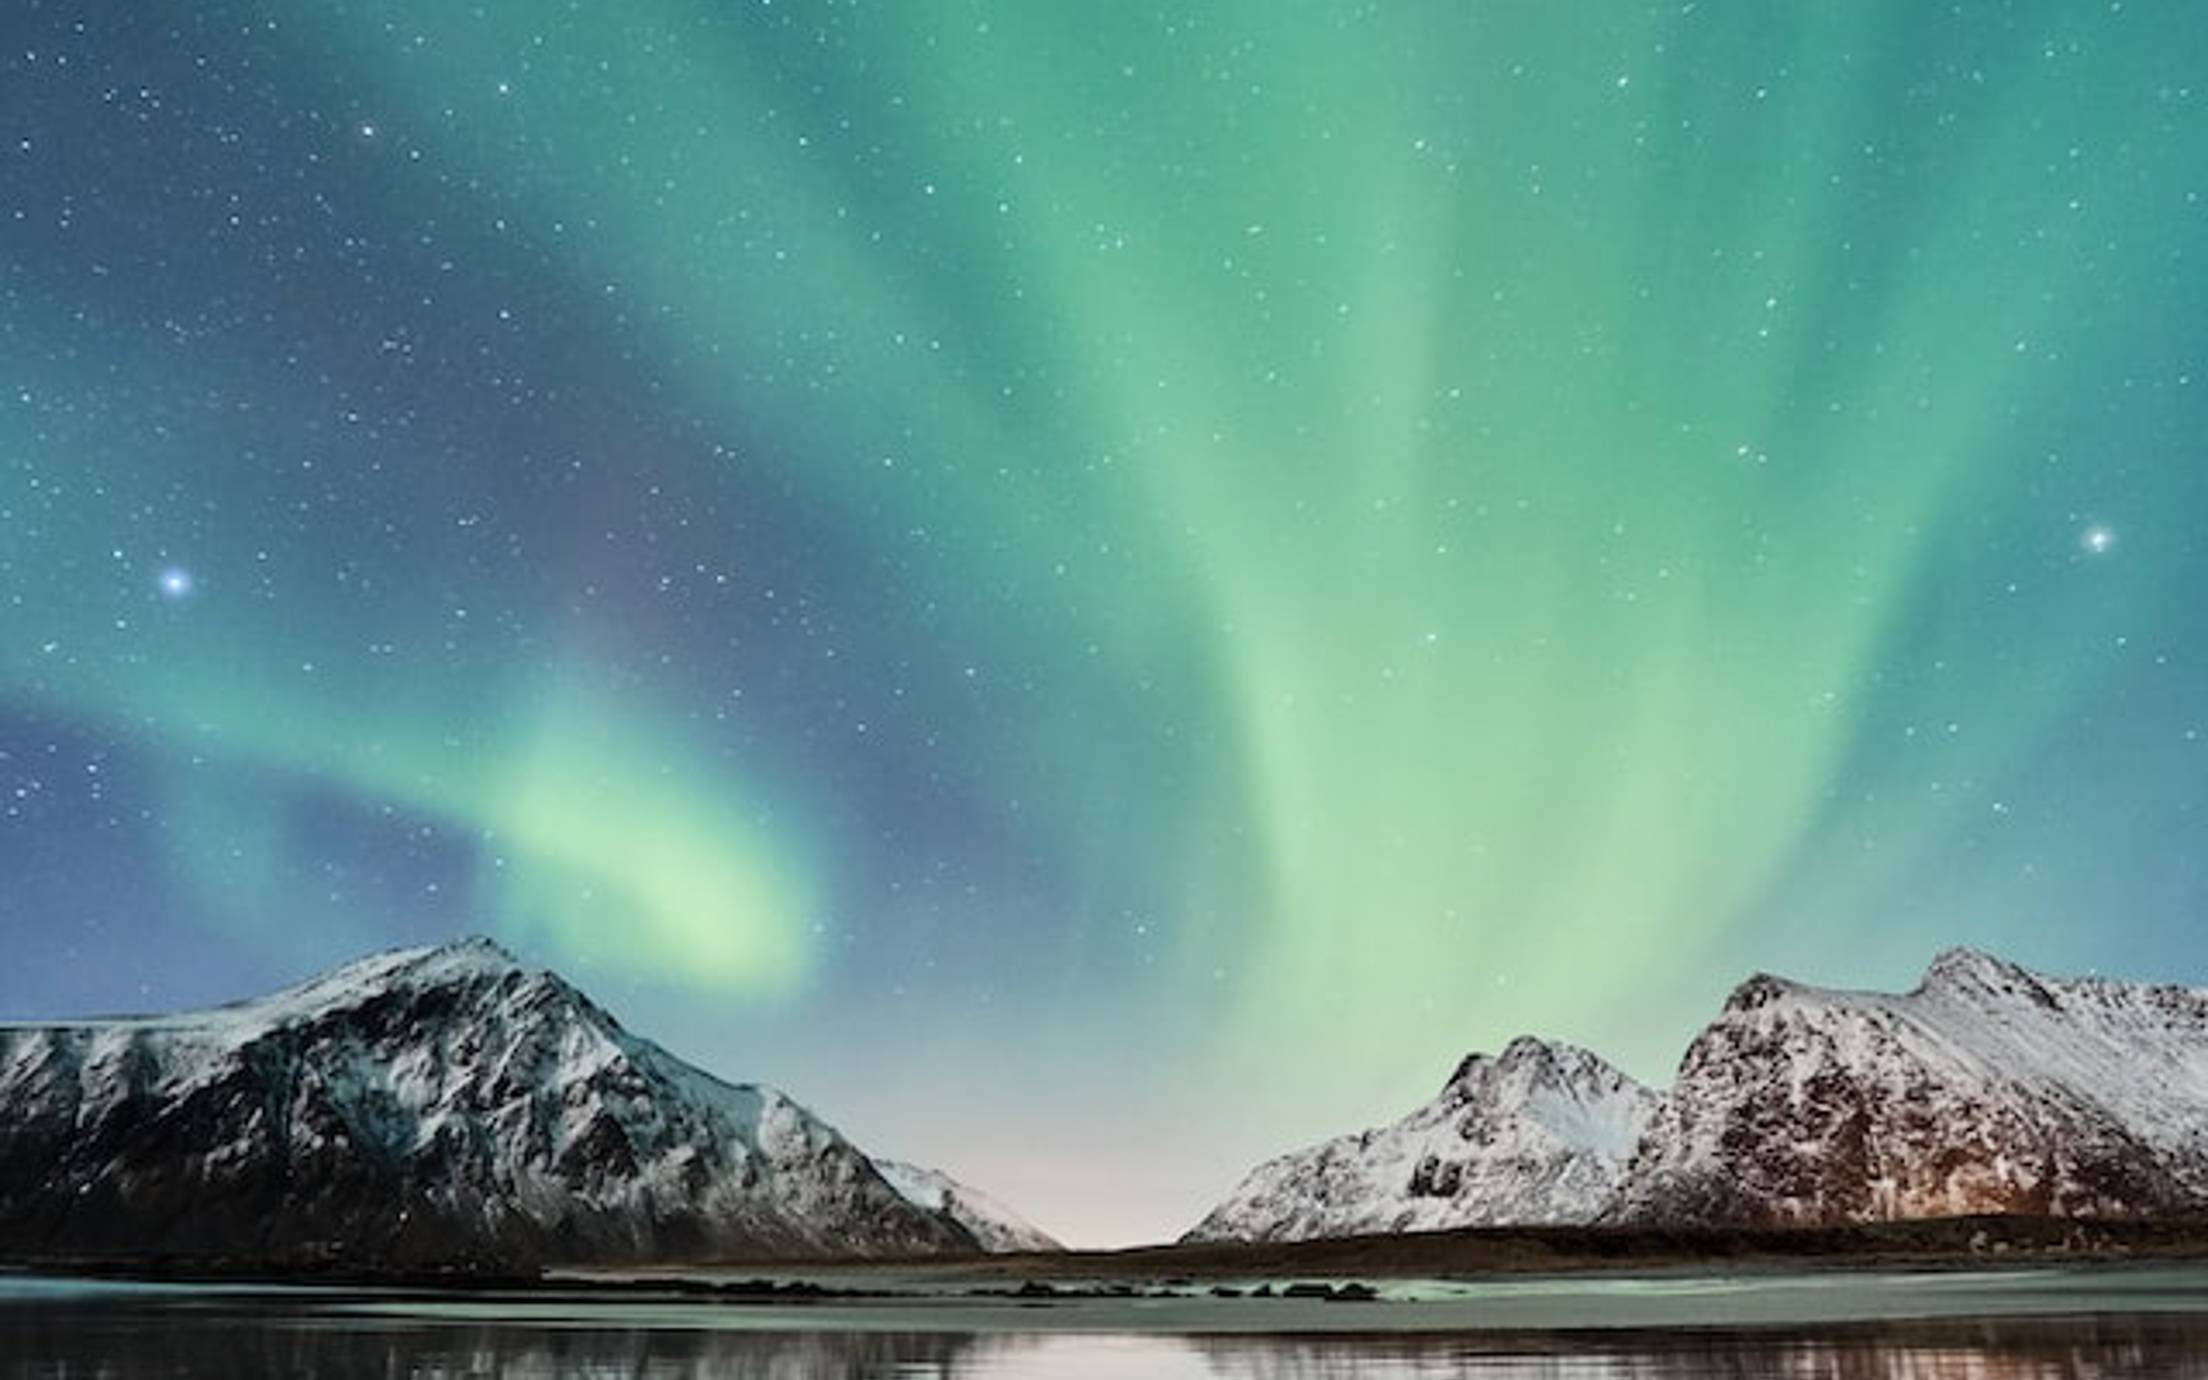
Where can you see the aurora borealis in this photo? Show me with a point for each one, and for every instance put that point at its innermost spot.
(1100, 590)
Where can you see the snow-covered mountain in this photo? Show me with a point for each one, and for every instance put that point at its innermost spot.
(1986, 1089)
(997, 1227)
(442, 1104)
(1540, 1134)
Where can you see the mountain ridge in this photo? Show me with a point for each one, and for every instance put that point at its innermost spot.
(1987, 1087)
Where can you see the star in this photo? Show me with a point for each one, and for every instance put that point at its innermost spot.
(175, 582)
(2098, 540)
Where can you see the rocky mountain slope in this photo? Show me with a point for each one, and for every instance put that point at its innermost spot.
(996, 1227)
(1541, 1134)
(427, 1105)
(1987, 1089)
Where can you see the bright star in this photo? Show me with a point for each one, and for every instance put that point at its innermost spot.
(2098, 539)
(175, 582)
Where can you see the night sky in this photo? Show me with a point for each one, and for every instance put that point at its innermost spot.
(1099, 591)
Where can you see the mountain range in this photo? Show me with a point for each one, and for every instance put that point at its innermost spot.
(1986, 1089)
(451, 1106)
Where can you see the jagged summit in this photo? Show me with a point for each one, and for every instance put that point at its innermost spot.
(1538, 1133)
(1760, 989)
(1527, 1052)
(1968, 968)
(1523, 1052)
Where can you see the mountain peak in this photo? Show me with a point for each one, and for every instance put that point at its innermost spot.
(1760, 989)
(472, 956)
(1961, 965)
(1523, 1050)
(1529, 1049)
(461, 962)
(469, 953)
(476, 944)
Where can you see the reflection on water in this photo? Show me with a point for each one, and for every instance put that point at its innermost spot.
(2068, 1350)
(249, 1339)
(78, 1348)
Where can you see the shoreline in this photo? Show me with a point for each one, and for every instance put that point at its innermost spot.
(1502, 1314)
(1930, 1246)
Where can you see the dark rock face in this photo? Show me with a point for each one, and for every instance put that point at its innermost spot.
(1988, 1089)
(441, 1106)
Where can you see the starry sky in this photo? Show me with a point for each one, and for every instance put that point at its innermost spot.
(1102, 590)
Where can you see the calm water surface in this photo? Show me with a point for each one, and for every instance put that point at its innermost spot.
(2036, 1326)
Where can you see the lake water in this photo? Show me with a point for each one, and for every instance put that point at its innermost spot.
(1859, 1326)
